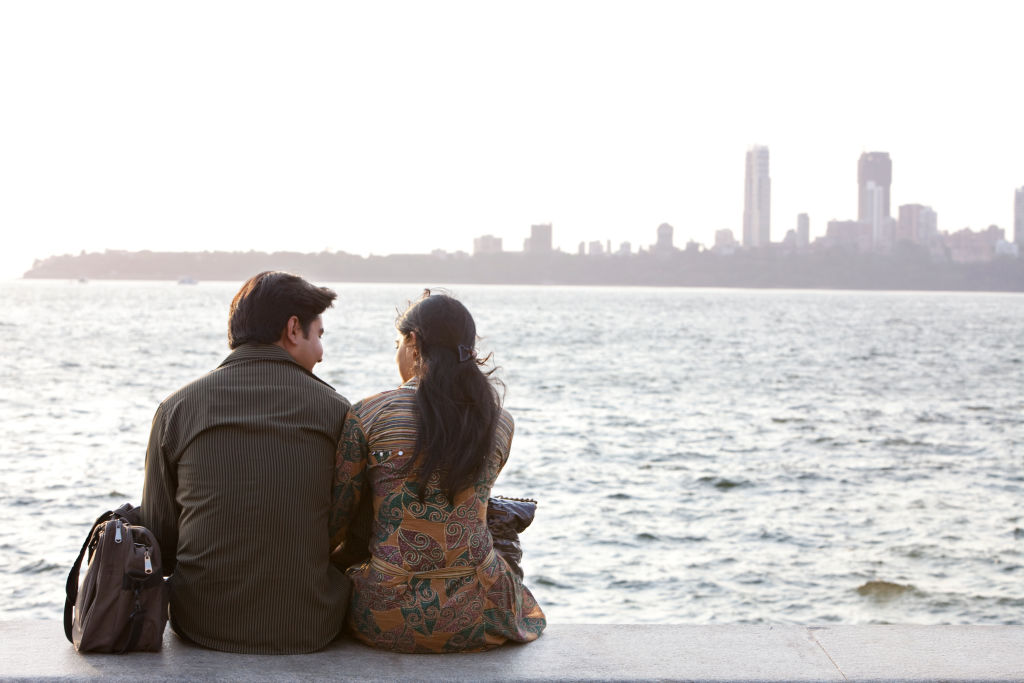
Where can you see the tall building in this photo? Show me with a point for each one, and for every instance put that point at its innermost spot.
(664, 242)
(918, 224)
(757, 199)
(487, 244)
(874, 168)
(853, 235)
(967, 246)
(1018, 217)
(803, 231)
(539, 241)
(725, 242)
(875, 197)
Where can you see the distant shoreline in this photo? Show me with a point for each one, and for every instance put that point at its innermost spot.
(835, 268)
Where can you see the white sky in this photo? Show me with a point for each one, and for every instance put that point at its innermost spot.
(385, 127)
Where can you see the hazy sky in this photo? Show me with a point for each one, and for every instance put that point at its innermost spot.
(404, 126)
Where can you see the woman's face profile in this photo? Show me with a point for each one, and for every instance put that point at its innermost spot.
(406, 355)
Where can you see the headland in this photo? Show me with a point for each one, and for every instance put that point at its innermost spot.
(834, 268)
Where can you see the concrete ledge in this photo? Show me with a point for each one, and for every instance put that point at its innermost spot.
(37, 650)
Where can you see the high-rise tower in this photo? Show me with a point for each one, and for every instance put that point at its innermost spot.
(918, 224)
(874, 179)
(803, 230)
(1018, 217)
(757, 199)
(664, 243)
(539, 241)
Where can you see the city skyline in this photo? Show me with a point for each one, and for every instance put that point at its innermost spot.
(874, 230)
(407, 128)
(916, 223)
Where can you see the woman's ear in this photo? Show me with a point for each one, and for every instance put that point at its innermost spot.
(414, 343)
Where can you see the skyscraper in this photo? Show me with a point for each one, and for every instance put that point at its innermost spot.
(803, 230)
(664, 242)
(487, 244)
(874, 168)
(918, 224)
(875, 197)
(757, 199)
(1018, 217)
(539, 241)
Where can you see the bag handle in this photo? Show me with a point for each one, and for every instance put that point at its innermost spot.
(71, 587)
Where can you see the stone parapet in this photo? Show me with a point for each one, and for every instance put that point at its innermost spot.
(37, 650)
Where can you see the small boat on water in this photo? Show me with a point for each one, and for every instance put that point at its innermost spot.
(188, 281)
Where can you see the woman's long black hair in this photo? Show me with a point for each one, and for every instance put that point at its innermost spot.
(457, 403)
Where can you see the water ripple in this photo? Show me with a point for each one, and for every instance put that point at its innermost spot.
(752, 457)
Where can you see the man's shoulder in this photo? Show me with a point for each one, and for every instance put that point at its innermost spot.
(325, 392)
(226, 378)
(197, 387)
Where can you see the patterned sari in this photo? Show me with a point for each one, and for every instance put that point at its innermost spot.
(433, 583)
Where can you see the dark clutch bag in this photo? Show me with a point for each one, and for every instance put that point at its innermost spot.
(506, 518)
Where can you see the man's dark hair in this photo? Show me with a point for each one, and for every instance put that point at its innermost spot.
(266, 301)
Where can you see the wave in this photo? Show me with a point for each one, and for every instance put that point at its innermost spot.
(934, 418)
(723, 484)
(39, 567)
(900, 441)
(542, 580)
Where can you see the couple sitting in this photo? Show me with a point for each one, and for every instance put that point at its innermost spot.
(255, 473)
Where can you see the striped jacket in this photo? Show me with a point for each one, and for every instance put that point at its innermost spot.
(238, 491)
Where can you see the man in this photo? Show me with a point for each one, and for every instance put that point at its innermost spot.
(239, 471)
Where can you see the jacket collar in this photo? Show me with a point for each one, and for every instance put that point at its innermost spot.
(268, 352)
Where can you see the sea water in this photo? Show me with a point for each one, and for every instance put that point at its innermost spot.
(700, 456)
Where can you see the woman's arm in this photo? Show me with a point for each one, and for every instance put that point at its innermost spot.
(349, 477)
(503, 437)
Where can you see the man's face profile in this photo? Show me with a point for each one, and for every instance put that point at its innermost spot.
(307, 349)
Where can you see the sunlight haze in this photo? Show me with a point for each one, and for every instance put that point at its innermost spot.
(405, 127)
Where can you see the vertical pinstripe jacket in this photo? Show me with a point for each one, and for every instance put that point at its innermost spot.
(237, 491)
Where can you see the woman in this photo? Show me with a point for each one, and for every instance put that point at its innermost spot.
(428, 452)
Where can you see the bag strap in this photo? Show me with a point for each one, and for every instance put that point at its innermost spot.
(71, 587)
(136, 584)
(137, 616)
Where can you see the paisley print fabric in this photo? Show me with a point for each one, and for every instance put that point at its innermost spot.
(394, 608)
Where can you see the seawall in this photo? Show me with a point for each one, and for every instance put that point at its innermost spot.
(37, 650)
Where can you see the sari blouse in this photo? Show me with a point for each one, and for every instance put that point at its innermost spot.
(393, 608)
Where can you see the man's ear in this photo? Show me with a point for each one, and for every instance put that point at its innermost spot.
(292, 330)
